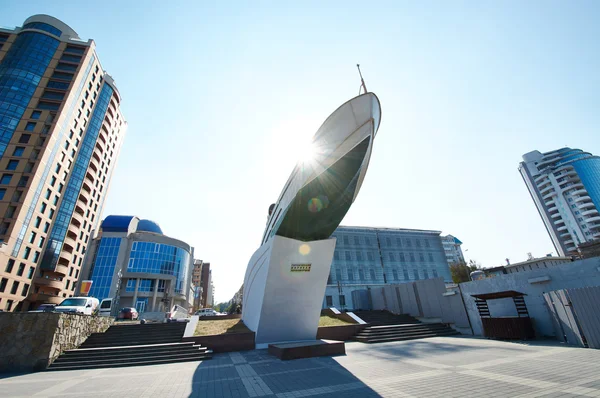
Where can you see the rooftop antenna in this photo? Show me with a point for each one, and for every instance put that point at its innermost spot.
(362, 81)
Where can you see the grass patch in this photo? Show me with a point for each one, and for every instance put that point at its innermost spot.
(326, 320)
(209, 328)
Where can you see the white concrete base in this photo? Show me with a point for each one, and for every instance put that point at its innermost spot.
(284, 289)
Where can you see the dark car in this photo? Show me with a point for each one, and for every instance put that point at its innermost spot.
(44, 308)
(128, 313)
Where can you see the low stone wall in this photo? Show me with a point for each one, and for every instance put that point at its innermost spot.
(219, 317)
(225, 342)
(32, 341)
(339, 333)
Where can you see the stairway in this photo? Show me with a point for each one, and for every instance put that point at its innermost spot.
(385, 326)
(132, 345)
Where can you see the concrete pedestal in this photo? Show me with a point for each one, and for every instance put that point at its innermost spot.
(284, 288)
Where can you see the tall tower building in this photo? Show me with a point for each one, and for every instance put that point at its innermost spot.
(60, 135)
(565, 186)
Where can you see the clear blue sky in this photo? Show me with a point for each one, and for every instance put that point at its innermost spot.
(218, 96)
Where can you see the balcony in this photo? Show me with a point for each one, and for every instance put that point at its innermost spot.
(83, 199)
(565, 234)
(555, 215)
(589, 212)
(549, 195)
(46, 298)
(586, 205)
(49, 283)
(69, 243)
(76, 220)
(582, 198)
(78, 217)
(100, 149)
(593, 218)
(563, 228)
(580, 192)
(86, 186)
(62, 268)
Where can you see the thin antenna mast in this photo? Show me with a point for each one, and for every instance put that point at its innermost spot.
(362, 81)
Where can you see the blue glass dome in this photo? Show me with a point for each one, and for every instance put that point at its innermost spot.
(149, 226)
(116, 223)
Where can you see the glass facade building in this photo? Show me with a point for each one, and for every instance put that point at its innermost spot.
(61, 130)
(565, 187)
(134, 263)
(366, 257)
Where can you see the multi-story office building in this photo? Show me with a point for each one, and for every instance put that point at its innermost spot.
(565, 186)
(454, 254)
(133, 262)
(203, 279)
(60, 135)
(366, 257)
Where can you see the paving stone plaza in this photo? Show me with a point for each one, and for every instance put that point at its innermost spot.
(435, 367)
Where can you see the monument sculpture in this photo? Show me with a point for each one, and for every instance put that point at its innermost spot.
(286, 277)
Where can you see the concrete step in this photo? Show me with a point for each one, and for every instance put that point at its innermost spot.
(128, 357)
(154, 361)
(121, 343)
(115, 353)
(388, 331)
(405, 336)
(135, 336)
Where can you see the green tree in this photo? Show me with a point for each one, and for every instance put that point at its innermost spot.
(461, 271)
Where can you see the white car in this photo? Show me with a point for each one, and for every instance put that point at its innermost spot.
(78, 305)
(208, 312)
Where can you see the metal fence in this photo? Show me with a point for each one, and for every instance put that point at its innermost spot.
(576, 315)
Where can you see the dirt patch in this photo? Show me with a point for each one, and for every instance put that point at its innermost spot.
(225, 326)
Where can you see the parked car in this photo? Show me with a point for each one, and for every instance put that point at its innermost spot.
(105, 307)
(208, 312)
(128, 313)
(44, 308)
(78, 305)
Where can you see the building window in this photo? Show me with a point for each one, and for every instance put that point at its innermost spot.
(43, 207)
(416, 274)
(421, 257)
(350, 274)
(408, 243)
(32, 237)
(5, 180)
(30, 126)
(25, 289)
(358, 256)
(402, 257)
(430, 256)
(51, 214)
(3, 285)
(370, 256)
(161, 286)
(418, 242)
(372, 274)
(346, 241)
(35, 115)
(46, 227)
(361, 274)
(336, 255)
(398, 242)
(30, 273)
(23, 181)
(26, 253)
(24, 139)
(426, 243)
(348, 256)
(12, 165)
(356, 240)
(130, 287)
(392, 257)
(41, 242)
(338, 274)
(395, 274)
(329, 301)
(19, 151)
(2, 193)
(8, 306)
(14, 288)
(9, 266)
(388, 242)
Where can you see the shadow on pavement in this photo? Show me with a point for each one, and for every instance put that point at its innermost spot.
(255, 373)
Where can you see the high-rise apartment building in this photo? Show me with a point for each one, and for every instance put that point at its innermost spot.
(454, 254)
(60, 135)
(366, 257)
(565, 186)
